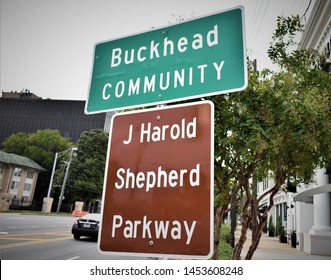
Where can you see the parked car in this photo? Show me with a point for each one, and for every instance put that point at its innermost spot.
(87, 225)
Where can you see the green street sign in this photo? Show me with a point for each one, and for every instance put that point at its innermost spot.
(196, 58)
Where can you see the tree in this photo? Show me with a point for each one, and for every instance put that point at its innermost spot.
(280, 126)
(16, 143)
(41, 147)
(87, 168)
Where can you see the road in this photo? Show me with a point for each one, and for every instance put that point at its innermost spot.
(44, 237)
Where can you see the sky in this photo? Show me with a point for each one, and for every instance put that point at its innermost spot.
(47, 46)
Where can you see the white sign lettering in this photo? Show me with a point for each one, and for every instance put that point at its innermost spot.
(150, 229)
(130, 56)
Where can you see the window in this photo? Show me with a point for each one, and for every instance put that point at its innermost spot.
(14, 187)
(265, 184)
(26, 190)
(30, 174)
(17, 172)
(27, 187)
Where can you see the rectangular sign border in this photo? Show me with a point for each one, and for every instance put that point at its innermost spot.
(165, 256)
(183, 98)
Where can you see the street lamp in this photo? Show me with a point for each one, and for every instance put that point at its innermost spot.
(57, 155)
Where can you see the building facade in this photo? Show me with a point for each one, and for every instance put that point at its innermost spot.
(313, 202)
(18, 178)
(307, 210)
(26, 112)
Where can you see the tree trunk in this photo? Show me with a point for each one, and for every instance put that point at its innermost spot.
(255, 239)
(242, 239)
(218, 216)
(217, 232)
(280, 179)
(246, 220)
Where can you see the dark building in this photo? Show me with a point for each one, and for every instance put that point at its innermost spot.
(24, 94)
(26, 112)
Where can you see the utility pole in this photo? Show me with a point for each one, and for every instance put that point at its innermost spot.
(51, 183)
(255, 206)
(233, 217)
(65, 180)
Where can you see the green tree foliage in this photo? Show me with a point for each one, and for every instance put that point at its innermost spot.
(41, 147)
(87, 167)
(16, 143)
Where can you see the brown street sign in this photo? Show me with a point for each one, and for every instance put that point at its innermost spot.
(158, 191)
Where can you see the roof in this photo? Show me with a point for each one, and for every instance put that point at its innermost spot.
(307, 195)
(17, 160)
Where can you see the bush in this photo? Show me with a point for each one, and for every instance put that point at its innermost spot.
(225, 249)
(271, 227)
(280, 230)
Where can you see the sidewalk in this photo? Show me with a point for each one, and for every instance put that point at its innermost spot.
(271, 249)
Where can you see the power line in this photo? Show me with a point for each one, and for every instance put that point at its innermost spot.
(256, 5)
(305, 13)
(257, 16)
(258, 30)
